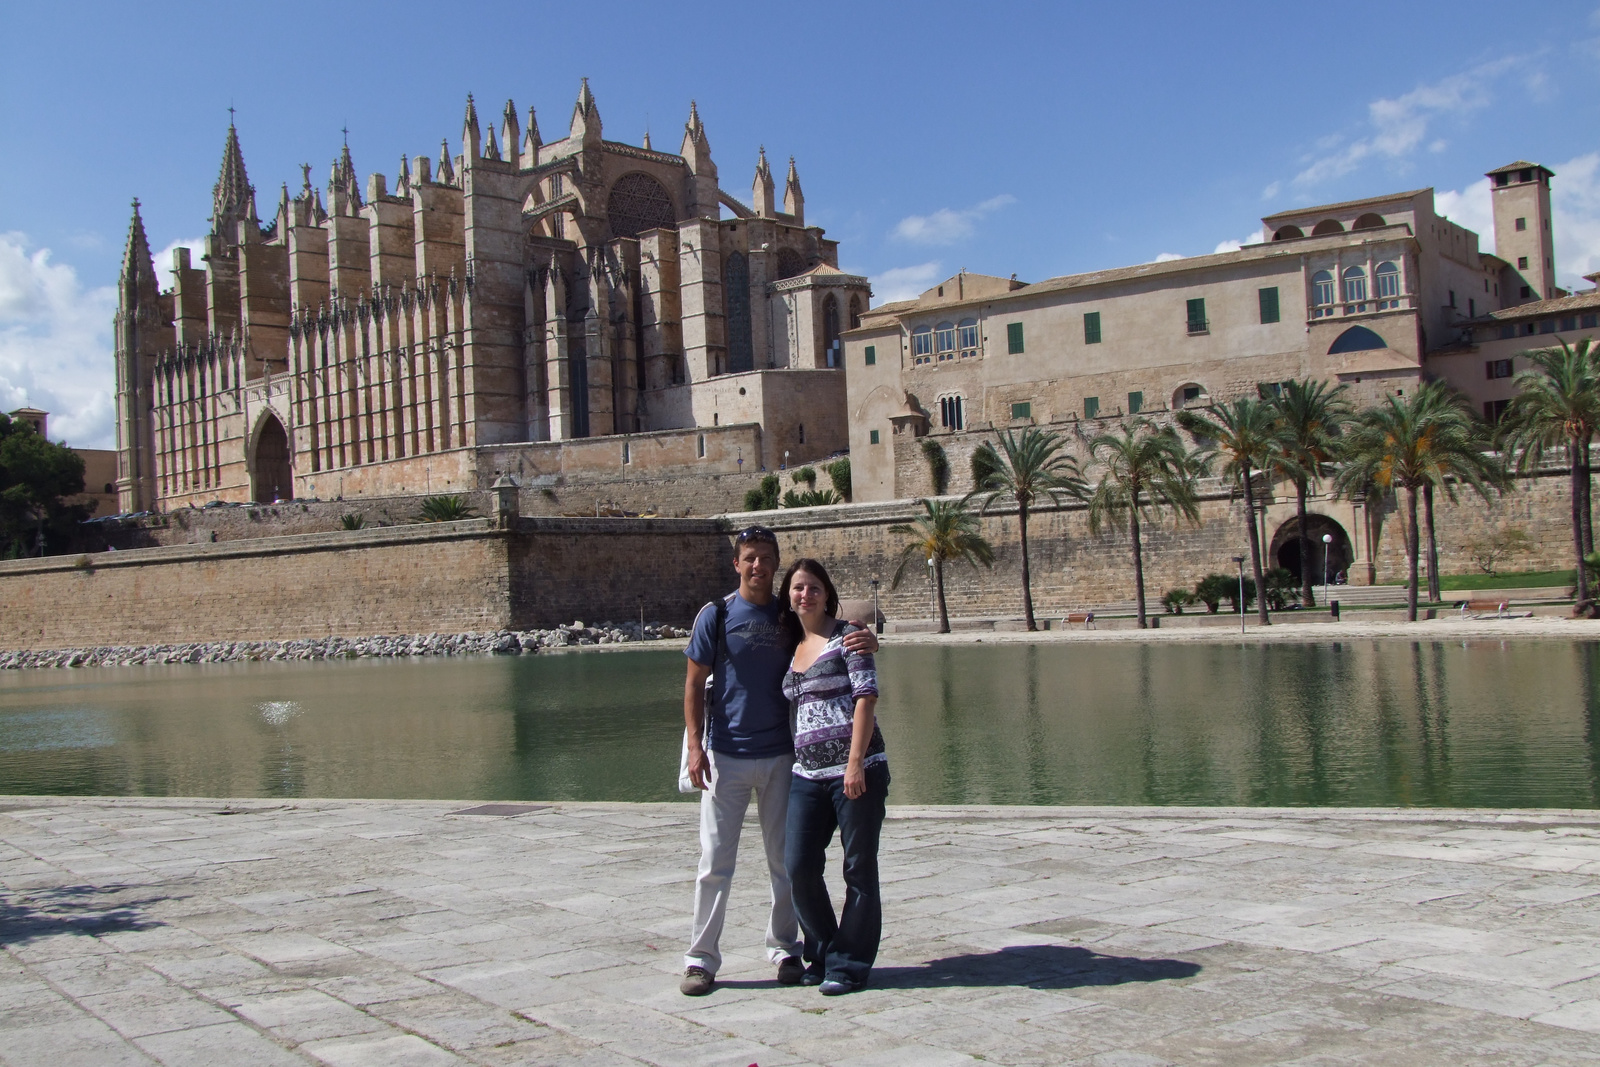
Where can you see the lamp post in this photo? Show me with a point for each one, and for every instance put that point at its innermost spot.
(877, 620)
(1240, 561)
(785, 460)
(741, 459)
(933, 594)
(1327, 543)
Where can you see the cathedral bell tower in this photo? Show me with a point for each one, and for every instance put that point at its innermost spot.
(140, 334)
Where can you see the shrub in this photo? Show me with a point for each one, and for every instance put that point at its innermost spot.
(352, 521)
(1176, 600)
(938, 465)
(446, 508)
(1283, 588)
(1213, 589)
(764, 497)
(810, 498)
(1232, 595)
(808, 475)
(839, 475)
(985, 461)
(1489, 553)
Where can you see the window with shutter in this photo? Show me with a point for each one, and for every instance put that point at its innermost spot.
(1023, 410)
(872, 355)
(1091, 407)
(1269, 304)
(1197, 315)
(1135, 403)
(1091, 327)
(1013, 337)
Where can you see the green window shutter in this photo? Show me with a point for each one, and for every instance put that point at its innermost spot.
(1013, 337)
(1023, 410)
(1197, 315)
(1091, 327)
(873, 438)
(1135, 403)
(872, 355)
(1091, 407)
(1269, 304)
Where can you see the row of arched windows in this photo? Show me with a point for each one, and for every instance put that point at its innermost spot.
(1369, 221)
(1355, 296)
(945, 342)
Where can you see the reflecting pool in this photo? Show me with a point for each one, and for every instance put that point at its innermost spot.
(1475, 724)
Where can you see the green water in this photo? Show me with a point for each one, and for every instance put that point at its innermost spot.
(1480, 724)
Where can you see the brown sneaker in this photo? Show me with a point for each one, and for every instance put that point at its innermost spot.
(697, 982)
(790, 970)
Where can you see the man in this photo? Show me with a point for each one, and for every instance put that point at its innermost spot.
(748, 750)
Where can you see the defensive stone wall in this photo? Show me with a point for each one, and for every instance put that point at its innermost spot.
(425, 578)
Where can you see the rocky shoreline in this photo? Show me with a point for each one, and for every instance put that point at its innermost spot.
(501, 642)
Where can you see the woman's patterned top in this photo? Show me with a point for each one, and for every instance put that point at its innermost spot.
(823, 698)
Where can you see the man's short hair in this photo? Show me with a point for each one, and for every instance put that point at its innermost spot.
(755, 535)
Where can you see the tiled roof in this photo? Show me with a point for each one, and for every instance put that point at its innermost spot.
(1521, 164)
(1538, 308)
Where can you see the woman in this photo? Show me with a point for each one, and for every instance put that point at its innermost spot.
(841, 780)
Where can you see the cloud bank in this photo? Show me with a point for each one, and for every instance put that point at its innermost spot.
(947, 226)
(905, 283)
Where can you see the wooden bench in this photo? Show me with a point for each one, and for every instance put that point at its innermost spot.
(1084, 617)
(1480, 607)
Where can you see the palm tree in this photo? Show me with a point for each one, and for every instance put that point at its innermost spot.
(1244, 433)
(1452, 404)
(1026, 468)
(948, 530)
(1406, 443)
(1310, 416)
(1143, 470)
(1558, 406)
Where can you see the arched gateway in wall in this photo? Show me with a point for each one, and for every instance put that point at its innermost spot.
(271, 476)
(1337, 553)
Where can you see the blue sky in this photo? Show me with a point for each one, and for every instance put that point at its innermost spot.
(1039, 139)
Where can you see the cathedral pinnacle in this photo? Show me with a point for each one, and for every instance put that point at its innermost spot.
(471, 132)
(138, 270)
(586, 116)
(230, 197)
(533, 141)
(794, 201)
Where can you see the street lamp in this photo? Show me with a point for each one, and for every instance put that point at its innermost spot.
(877, 620)
(1240, 561)
(933, 594)
(1327, 542)
(785, 460)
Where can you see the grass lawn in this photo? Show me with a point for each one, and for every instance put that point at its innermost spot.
(1507, 580)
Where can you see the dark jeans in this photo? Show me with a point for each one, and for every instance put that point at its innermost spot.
(844, 948)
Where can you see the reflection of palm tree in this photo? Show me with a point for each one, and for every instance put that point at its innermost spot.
(1406, 443)
(947, 530)
(1246, 434)
(1024, 469)
(1311, 417)
(1143, 470)
(1558, 406)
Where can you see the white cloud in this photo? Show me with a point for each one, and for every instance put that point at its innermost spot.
(1166, 257)
(947, 226)
(1271, 191)
(905, 283)
(55, 344)
(163, 258)
(1470, 208)
(1396, 127)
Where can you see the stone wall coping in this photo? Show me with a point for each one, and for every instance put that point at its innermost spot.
(614, 524)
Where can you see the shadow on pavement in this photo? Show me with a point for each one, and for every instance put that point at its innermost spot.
(73, 909)
(1033, 967)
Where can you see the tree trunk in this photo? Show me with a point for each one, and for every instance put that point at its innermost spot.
(1138, 562)
(938, 587)
(1588, 513)
(1306, 597)
(1435, 594)
(1255, 547)
(1579, 474)
(1027, 590)
(1413, 550)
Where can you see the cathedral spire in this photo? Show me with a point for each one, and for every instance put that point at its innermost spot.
(696, 149)
(794, 201)
(762, 188)
(471, 134)
(513, 134)
(531, 149)
(586, 116)
(230, 197)
(447, 172)
(646, 142)
(492, 151)
(138, 270)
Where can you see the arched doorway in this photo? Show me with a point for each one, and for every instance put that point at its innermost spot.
(272, 478)
(1337, 552)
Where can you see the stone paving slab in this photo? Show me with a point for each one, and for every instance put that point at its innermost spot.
(350, 933)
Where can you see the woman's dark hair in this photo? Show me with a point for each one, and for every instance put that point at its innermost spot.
(789, 620)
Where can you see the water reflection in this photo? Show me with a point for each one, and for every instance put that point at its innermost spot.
(1341, 723)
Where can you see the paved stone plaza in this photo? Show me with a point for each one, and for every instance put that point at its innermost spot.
(408, 933)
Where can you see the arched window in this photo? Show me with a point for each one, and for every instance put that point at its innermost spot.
(1321, 294)
(830, 330)
(1387, 277)
(1327, 226)
(1355, 290)
(968, 338)
(950, 413)
(790, 263)
(1191, 395)
(1369, 221)
(638, 203)
(1356, 339)
(944, 336)
(855, 312)
(922, 345)
(736, 297)
(1288, 233)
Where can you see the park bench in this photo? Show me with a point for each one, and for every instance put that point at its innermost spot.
(1084, 617)
(1482, 607)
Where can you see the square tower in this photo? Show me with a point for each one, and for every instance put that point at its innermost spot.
(1522, 230)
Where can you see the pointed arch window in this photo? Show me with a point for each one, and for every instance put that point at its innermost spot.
(1387, 277)
(1355, 290)
(855, 312)
(967, 337)
(830, 331)
(1322, 294)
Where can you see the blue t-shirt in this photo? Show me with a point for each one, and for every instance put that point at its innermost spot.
(748, 713)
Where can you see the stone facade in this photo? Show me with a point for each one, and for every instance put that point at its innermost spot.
(1376, 294)
(519, 292)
